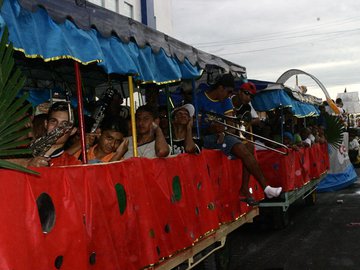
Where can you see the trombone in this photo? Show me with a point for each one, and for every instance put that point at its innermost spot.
(219, 118)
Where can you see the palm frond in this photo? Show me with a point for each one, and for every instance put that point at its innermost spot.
(334, 130)
(12, 166)
(15, 152)
(14, 144)
(17, 130)
(11, 112)
(12, 109)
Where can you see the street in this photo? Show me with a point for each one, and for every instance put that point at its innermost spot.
(323, 236)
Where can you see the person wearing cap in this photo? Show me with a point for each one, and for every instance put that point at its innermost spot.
(242, 101)
(288, 140)
(217, 100)
(182, 122)
(151, 141)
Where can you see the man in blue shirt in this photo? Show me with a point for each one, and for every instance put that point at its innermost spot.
(217, 100)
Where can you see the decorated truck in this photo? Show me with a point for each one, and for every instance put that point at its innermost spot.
(138, 213)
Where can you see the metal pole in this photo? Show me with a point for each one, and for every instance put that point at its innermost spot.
(80, 112)
(169, 109)
(282, 125)
(132, 115)
(196, 108)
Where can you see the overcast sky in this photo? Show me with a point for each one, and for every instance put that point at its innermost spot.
(320, 37)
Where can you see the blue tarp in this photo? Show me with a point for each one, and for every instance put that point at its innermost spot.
(337, 181)
(267, 100)
(37, 35)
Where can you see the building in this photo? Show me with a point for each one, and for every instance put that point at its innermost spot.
(153, 13)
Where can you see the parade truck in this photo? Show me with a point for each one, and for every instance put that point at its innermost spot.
(139, 213)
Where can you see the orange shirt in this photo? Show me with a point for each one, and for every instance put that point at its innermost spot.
(93, 159)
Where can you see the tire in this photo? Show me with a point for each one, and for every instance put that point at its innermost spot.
(220, 260)
(222, 257)
(209, 263)
(280, 218)
(311, 198)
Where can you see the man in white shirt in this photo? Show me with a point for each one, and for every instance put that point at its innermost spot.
(150, 138)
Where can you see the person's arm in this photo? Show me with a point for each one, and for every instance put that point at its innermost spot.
(162, 148)
(90, 140)
(190, 146)
(218, 128)
(31, 162)
(121, 150)
(215, 128)
(255, 121)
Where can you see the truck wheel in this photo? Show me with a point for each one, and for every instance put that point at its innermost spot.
(220, 260)
(311, 199)
(222, 257)
(280, 218)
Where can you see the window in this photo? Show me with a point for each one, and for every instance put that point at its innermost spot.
(113, 5)
(128, 10)
(97, 2)
(117, 8)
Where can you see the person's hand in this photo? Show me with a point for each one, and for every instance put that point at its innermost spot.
(154, 126)
(154, 129)
(220, 138)
(90, 139)
(123, 147)
(217, 127)
(39, 162)
(190, 124)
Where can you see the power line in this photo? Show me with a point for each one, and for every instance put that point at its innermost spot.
(324, 37)
(272, 36)
(288, 37)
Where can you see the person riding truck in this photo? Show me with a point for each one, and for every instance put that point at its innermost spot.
(217, 100)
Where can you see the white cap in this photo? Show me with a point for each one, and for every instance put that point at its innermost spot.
(189, 107)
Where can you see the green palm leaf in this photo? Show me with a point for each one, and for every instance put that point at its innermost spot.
(12, 111)
(334, 130)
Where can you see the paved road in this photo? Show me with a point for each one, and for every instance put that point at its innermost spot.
(323, 236)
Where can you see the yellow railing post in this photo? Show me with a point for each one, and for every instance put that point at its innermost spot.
(132, 115)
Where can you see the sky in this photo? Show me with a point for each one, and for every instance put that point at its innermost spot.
(320, 37)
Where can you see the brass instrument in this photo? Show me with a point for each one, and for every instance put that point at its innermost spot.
(220, 119)
(99, 113)
(41, 145)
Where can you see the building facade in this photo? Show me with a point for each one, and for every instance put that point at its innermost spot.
(153, 13)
